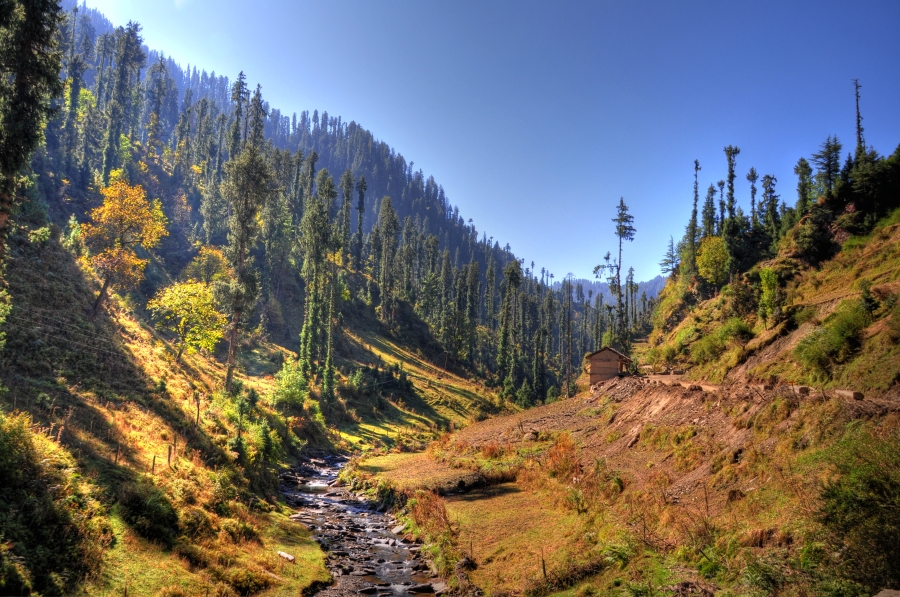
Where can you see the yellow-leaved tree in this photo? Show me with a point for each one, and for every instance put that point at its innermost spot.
(125, 221)
(188, 309)
(712, 260)
(210, 265)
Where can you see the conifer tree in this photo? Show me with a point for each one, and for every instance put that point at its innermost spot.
(771, 215)
(752, 177)
(692, 232)
(490, 289)
(720, 223)
(344, 220)
(129, 59)
(730, 224)
(828, 162)
(731, 154)
(624, 232)
(804, 186)
(388, 226)
(29, 80)
(316, 241)
(360, 210)
(709, 212)
(246, 188)
(669, 263)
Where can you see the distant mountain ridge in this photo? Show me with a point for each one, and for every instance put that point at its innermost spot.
(652, 287)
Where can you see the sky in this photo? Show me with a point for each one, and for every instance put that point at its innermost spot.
(536, 117)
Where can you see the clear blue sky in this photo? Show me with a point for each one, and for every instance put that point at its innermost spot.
(537, 117)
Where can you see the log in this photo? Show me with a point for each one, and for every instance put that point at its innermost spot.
(849, 394)
(287, 556)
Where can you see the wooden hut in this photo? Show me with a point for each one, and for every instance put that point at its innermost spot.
(606, 363)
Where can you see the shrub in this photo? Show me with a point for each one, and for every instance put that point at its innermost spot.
(707, 349)
(835, 341)
(894, 323)
(861, 507)
(291, 389)
(51, 535)
(246, 581)
(148, 511)
(195, 556)
(238, 531)
(171, 591)
(563, 457)
(195, 523)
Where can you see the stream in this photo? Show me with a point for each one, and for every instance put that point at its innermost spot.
(365, 555)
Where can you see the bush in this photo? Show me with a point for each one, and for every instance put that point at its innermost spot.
(51, 534)
(839, 337)
(291, 389)
(894, 323)
(247, 582)
(195, 523)
(861, 508)
(171, 591)
(195, 556)
(707, 349)
(238, 531)
(148, 511)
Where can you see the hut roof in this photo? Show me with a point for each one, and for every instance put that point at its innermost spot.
(613, 350)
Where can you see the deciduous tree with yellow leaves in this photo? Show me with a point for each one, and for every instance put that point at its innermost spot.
(188, 309)
(125, 221)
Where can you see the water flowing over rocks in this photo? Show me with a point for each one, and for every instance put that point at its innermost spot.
(366, 554)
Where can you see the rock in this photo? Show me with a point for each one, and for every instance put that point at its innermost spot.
(367, 591)
(529, 437)
(422, 588)
(439, 588)
(735, 495)
(398, 529)
(466, 564)
(633, 441)
(286, 556)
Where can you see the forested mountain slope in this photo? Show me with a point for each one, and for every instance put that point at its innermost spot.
(804, 294)
(190, 302)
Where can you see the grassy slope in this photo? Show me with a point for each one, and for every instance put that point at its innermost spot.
(113, 385)
(811, 297)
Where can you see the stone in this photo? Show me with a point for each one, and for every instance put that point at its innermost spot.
(286, 556)
(422, 588)
(398, 529)
(529, 437)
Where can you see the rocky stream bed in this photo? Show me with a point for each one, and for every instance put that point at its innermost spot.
(366, 554)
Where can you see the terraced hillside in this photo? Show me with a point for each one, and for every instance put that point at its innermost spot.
(646, 487)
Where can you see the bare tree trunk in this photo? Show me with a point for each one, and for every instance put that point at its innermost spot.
(100, 298)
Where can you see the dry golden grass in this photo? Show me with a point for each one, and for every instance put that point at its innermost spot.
(506, 528)
(412, 471)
